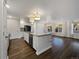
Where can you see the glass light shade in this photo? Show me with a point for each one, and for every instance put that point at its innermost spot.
(37, 18)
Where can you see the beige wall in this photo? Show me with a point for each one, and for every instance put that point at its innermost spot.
(13, 27)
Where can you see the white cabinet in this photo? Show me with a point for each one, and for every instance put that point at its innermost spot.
(26, 37)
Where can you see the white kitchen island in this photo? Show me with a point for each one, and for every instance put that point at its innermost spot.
(41, 42)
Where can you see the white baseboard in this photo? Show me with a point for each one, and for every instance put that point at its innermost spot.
(42, 51)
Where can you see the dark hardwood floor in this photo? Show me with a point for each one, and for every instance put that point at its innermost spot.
(20, 50)
(65, 48)
(62, 48)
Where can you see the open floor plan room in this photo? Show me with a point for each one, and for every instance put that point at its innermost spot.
(39, 29)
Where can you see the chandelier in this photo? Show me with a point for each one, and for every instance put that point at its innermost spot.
(35, 15)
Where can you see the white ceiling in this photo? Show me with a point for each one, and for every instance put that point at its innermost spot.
(56, 8)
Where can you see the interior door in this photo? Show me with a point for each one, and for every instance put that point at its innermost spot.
(3, 30)
(5, 33)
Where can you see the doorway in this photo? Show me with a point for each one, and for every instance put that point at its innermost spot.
(4, 36)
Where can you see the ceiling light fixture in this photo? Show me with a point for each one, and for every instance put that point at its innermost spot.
(7, 6)
(35, 15)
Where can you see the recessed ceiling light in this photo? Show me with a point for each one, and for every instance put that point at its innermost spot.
(7, 6)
